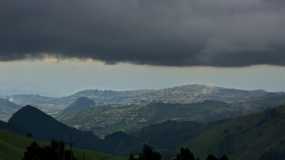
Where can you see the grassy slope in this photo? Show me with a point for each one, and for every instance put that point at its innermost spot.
(12, 147)
(107, 120)
(244, 138)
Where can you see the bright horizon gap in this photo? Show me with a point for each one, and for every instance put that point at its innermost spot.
(52, 77)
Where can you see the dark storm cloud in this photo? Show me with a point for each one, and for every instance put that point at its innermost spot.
(156, 32)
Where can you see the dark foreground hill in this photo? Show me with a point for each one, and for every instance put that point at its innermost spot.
(169, 135)
(12, 147)
(3, 125)
(255, 137)
(249, 137)
(31, 121)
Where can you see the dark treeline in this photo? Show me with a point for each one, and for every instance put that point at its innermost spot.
(184, 154)
(55, 151)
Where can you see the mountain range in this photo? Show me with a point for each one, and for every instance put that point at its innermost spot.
(106, 112)
(107, 119)
(257, 136)
(34, 123)
(182, 95)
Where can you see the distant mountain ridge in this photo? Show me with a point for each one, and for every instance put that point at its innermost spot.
(182, 95)
(111, 111)
(50, 105)
(7, 108)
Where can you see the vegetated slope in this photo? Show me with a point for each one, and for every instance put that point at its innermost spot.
(31, 121)
(7, 108)
(12, 147)
(170, 135)
(259, 104)
(106, 120)
(82, 103)
(123, 143)
(255, 137)
(41, 126)
(247, 137)
(203, 107)
(240, 101)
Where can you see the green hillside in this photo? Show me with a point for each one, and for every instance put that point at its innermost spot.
(246, 137)
(12, 147)
(106, 120)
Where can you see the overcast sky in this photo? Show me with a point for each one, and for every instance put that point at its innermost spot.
(158, 43)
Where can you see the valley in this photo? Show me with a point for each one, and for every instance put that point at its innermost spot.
(209, 120)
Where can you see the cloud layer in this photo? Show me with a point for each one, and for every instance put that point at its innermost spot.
(156, 32)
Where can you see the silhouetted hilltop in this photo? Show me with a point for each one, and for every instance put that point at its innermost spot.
(30, 120)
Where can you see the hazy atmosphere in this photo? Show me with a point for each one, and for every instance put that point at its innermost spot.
(59, 78)
(142, 80)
